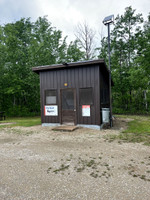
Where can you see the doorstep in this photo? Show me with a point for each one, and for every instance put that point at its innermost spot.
(65, 128)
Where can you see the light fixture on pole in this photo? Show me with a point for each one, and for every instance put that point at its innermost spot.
(107, 21)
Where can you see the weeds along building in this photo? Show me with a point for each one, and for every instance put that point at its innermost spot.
(74, 93)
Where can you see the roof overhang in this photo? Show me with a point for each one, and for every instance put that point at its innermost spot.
(67, 65)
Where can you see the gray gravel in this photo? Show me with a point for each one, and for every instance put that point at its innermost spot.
(40, 164)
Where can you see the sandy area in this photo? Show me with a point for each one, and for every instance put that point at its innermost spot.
(37, 163)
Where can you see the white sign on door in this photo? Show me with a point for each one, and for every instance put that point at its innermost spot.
(86, 110)
(51, 110)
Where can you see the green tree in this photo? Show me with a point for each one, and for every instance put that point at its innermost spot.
(2, 69)
(23, 45)
(143, 63)
(124, 36)
(74, 52)
(130, 61)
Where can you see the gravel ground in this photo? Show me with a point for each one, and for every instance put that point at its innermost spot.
(37, 163)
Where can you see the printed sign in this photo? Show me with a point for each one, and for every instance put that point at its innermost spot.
(86, 110)
(51, 110)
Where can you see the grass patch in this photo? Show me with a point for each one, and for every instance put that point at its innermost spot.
(62, 168)
(21, 121)
(94, 175)
(139, 126)
(80, 169)
(138, 131)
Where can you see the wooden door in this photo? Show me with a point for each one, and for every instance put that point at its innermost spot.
(68, 106)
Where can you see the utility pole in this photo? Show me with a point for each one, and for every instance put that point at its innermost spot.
(107, 21)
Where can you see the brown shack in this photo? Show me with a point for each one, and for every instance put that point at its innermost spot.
(74, 93)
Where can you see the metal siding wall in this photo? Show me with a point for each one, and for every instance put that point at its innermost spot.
(104, 83)
(76, 77)
(88, 84)
(79, 77)
(94, 108)
(41, 97)
(97, 97)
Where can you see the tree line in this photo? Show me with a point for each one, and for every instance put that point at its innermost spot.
(130, 55)
(25, 44)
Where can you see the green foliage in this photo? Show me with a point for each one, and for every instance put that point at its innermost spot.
(73, 52)
(23, 45)
(130, 58)
(20, 111)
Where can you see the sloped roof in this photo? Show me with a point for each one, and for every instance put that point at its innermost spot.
(69, 65)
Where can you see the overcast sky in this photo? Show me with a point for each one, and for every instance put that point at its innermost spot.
(66, 14)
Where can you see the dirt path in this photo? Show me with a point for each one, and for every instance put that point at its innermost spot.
(37, 163)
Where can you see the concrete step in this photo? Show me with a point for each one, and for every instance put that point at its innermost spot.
(65, 128)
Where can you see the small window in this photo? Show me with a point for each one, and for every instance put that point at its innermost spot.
(86, 96)
(50, 97)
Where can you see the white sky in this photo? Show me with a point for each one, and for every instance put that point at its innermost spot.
(66, 14)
